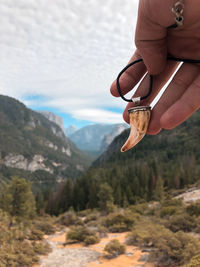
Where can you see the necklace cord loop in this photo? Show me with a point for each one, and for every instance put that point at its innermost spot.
(136, 99)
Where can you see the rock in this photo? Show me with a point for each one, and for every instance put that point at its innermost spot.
(20, 162)
(147, 250)
(144, 257)
(129, 254)
(76, 257)
(54, 118)
(66, 151)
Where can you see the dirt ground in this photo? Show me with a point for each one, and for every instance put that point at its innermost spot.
(91, 256)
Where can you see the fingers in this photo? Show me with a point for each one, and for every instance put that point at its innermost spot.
(158, 83)
(130, 77)
(184, 107)
(154, 17)
(150, 39)
(161, 116)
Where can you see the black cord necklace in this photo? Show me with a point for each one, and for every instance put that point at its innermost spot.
(151, 77)
(140, 115)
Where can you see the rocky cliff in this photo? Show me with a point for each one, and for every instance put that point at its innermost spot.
(30, 143)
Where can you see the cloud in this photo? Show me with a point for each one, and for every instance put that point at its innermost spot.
(68, 52)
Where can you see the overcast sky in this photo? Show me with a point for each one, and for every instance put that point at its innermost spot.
(62, 55)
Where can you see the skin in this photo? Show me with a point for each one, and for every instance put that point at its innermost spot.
(154, 42)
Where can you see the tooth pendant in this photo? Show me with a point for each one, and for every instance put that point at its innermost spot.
(139, 121)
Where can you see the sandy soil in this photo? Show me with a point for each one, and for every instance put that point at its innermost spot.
(76, 255)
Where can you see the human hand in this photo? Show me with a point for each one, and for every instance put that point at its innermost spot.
(154, 42)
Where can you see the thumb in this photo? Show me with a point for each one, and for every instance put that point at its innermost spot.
(150, 38)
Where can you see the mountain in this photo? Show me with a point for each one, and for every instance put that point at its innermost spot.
(54, 118)
(95, 138)
(108, 138)
(35, 148)
(70, 130)
(155, 166)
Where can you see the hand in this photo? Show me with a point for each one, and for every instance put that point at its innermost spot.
(154, 42)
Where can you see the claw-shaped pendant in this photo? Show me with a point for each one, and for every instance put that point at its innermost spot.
(139, 121)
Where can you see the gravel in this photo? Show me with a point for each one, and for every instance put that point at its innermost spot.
(69, 257)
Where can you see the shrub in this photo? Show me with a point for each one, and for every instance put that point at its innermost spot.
(79, 233)
(182, 222)
(84, 213)
(91, 239)
(69, 218)
(45, 226)
(41, 248)
(91, 217)
(18, 254)
(194, 262)
(141, 208)
(114, 248)
(35, 234)
(168, 246)
(102, 231)
(119, 222)
(170, 207)
(193, 209)
(172, 202)
(168, 211)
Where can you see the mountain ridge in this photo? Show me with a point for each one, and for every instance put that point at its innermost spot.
(30, 143)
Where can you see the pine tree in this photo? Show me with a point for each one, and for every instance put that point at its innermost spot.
(118, 195)
(20, 199)
(105, 197)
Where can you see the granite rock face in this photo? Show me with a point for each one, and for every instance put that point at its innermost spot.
(54, 118)
(20, 162)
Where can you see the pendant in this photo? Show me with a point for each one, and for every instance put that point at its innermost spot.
(139, 121)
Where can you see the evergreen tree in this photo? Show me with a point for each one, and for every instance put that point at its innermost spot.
(105, 197)
(19, 199)
(93, 194)
(39, 200)
(118, 195)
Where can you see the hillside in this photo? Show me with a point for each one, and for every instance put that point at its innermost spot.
(158, 164)
(34, 147)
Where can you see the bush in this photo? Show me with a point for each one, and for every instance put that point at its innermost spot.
(141, 209)
(84, 213)
(171, 207)
(172, 202)
(91, 239)
(119, 222)
(194, 262)
(193, 209)
(182, 222)
(41, 248)
(168, 211)
(168, 246)
(35, 234)
(91, 217)
(114, 248)
(69, 218)
(79, 233)
(102, 231)
(18, 254)
(45, 226)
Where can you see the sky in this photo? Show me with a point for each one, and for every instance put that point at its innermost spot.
(62, 55)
